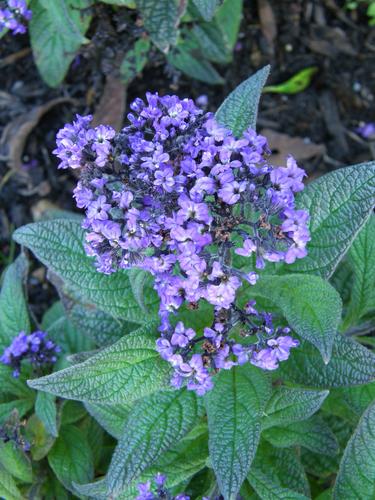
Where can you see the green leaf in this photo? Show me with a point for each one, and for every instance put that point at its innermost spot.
(37, 435)
(211, 43)
(135, 60)
(45, 409)
(21, 405)
(267, 490)
(358, 398)
(127, 370)
(311, 306)
(207, 8)
(234, 410)
(153, 426)
(291, 405)
(59, 245)
(111, 417)
(356, 477)
(351, 364)
(187, 59)
(239, 110)
(14, 316)
(15, 462)
(71, 458)
(121, 3)
(313, 434)
(161, 19)
(297, 83)
(339, 204)
(361, 258)
(8, 487)
(56, 33)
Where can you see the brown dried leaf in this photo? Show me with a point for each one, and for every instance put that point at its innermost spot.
(283, 145)
(330, 41)
(267, 22)
(15, 134)
(111, 107)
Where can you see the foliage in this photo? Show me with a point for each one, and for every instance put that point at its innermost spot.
(107, 419)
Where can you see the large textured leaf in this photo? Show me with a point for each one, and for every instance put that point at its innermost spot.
(268, 490)
(239, 110)
(228, 18)
(71, 457)
(234, 409)
(339, 204)
(350, 364)
(358, 398)
(311, 306)
(313, 434)
(14, 316)
(291, 405)
(127, 370)
(161, 19)
(356, 477)
(361, 258)
(111, 417)
(56, 32)
(153, 426)
(59, 245)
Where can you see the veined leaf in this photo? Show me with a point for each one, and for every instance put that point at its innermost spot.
(356, 477)
(59, 245)
(161, 19)
(313, 434)
(14, 316)
(153, 426)
(15, 462)
(240, 109)
(228, 17)
(207, 8)
(339, 204)
(350, 364)
(8, 487)
(361, 258)
(45, 409)
(267, 490)
(234, 410)
(311, 306)
(127, 370)
(111, 417)
(291, 405)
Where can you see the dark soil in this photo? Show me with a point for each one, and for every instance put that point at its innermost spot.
(289, 34)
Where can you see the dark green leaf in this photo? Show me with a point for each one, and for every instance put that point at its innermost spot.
(239, 110)
(311, 306)
(59, 245)
(339, 204)
(127, 370)
(356, 477)
(234, 409)
(135, 60)
(111, 417)
(153, 426)
(56, 32)
(350, 364)
(267, 490)
(207, 8)
(8, 487)
(15, 462)
(228, 17)
(71, 457)
(291, 405)
(14, 316)
(161, 19)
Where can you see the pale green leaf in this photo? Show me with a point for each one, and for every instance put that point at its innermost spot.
(339, 204)
(206, 8)
(8, 487)
(240, 109)
(14, 461)
(127, 370)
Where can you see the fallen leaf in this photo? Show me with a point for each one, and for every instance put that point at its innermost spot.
(267, 22)
(283, 145)
(111, 107)
(15, 134)
(329, 41)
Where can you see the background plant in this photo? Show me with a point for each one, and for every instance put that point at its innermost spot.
(296, 424)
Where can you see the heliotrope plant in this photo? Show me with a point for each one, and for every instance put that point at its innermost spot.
(219, 312)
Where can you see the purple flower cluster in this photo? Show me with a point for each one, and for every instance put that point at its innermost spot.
(12, 16)
(146, 493)
(35, 347)
(176, 194)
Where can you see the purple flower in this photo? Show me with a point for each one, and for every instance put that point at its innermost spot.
(35, 347)
(13, 17)
(282, 346)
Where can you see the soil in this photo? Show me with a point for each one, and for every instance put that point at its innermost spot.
(317, 125)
